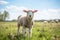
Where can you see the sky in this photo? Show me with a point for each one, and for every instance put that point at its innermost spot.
(47, 9)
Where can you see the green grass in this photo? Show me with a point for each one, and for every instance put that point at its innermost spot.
(41, 31)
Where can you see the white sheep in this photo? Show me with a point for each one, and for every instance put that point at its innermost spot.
(26, 22)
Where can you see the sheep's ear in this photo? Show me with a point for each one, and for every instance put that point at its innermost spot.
(25, 10)
(35, 11)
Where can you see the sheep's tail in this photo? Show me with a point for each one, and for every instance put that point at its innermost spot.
(19, 17)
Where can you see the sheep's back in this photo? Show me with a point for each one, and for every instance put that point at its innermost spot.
(22, 20)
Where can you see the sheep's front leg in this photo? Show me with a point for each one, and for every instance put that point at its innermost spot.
(24, 31)
(30, 32)
(18, 29)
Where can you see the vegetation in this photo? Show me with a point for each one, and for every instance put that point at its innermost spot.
(41, 31)
(4, 15)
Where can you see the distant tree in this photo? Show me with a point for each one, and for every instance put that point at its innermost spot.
(1, 15)
(14, 20)
(4, 15)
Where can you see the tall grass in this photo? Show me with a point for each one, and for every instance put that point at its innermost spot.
(41, 31)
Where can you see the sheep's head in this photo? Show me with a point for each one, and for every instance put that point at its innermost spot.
(30, 13)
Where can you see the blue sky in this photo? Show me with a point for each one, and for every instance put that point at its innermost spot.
(47, 9)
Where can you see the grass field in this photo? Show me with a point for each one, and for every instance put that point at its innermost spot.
(41, 31)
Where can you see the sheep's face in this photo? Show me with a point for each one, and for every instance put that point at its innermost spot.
(30, 13)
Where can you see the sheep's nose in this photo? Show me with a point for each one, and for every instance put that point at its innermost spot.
(30, 15)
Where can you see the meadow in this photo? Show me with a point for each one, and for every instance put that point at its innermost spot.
(41, 31)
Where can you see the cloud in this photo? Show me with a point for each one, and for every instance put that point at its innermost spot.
(48, 14)
(3, 2)
(15, 8)
(15, 11)
(53, 10)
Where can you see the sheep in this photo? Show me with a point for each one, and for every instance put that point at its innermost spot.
(26, 22)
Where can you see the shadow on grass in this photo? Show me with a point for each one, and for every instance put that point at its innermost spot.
(20, 37)
(15, 37)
